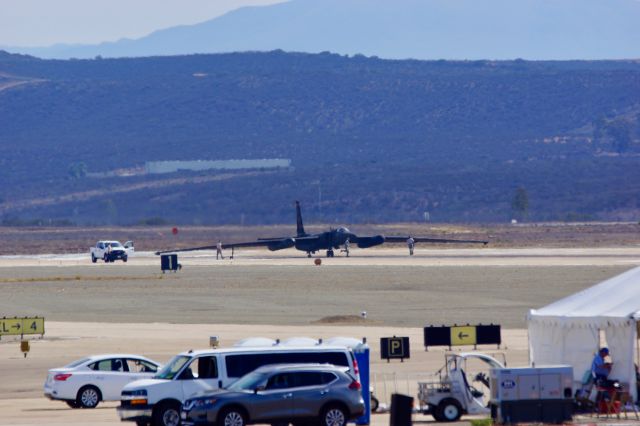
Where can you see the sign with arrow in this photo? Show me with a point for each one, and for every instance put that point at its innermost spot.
(463, 335)
(21, 326)
(466, 335)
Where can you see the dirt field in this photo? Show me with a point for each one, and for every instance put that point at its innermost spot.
(102, 308)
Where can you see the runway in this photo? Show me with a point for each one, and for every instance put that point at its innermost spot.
(544, 256)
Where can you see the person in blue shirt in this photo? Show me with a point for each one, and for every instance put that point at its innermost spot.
(599, 368)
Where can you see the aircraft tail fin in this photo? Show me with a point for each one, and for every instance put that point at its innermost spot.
(299, 226)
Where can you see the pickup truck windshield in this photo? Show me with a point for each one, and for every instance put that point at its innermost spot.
(116, 244)
(249, 381)
(173, 367)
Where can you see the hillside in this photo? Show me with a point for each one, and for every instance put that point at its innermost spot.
(368, 139)
(418, 29)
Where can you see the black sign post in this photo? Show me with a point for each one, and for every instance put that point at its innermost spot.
(394, 348)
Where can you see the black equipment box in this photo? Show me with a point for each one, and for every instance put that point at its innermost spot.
(401, 410)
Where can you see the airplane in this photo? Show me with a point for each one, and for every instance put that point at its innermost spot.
(330, 240)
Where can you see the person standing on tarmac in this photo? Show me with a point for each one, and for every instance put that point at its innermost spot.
(346, 247)
(219, 250)
(411, 243)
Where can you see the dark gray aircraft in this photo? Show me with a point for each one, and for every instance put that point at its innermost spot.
(330, 240)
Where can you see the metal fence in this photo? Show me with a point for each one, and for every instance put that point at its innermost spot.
(386, 384)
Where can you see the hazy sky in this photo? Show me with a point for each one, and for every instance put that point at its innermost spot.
(46, 22)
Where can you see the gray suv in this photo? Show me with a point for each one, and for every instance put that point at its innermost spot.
(302, 394)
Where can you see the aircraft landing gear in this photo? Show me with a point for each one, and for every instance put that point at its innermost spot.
(329, 253)
(308, 254)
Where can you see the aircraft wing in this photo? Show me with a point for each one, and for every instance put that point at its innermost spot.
(396, 239)
(272, 244)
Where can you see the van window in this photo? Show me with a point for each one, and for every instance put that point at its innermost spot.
(241, 364)
(201, 368)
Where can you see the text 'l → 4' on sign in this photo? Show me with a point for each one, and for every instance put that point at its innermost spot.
(20, 326)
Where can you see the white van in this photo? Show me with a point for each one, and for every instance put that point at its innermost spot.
(158, 400)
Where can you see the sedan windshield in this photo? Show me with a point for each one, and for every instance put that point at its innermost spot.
(173, 367)
(249, 381)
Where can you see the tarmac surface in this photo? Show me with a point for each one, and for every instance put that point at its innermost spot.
(134, 308)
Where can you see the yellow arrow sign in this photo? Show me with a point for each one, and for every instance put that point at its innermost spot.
(21, 326)
(463, 336)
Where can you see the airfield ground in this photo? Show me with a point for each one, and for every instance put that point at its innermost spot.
(102, 308)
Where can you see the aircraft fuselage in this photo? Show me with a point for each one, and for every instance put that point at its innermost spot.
(325, 241)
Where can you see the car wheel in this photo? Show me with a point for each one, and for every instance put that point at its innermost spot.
(105, 258)
(449, 410)
(333, 415)
(167, 414)
(93, 258)
(124, 259)
(88, 397)
(232, 417)
(73, 404)
(142, 423)
(374, 404)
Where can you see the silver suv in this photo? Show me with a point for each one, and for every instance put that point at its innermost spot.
(301, 394)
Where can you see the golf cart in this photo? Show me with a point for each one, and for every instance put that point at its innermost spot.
(450, 394)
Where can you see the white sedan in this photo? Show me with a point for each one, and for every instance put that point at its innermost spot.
(86, 382)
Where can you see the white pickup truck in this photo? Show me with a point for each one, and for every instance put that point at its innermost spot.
(110, 251)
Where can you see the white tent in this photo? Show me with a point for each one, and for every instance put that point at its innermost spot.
(568, 331)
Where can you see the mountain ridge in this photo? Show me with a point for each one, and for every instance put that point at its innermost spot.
(418, 29)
